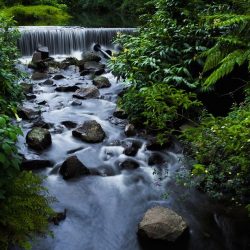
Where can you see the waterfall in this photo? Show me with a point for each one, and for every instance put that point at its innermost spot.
(65, 40)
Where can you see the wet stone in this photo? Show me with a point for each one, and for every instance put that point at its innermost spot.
(131, 148)
(49, 82)
(92, 68)
(30, 96)
(76, 103)
(42, 102)
(27, 87)
(90, 56)
(72, 167)
(87, 93)
(101, 82)
(89, 131)
(130, 130)
(120, 113)
(27, 113)
(35, 164)
(42, 124)
(129, 164)
(67, 88)
(69, 124)
(160, 223)
(155, 159)
(58, 77)
(39, 75)
(38, 138)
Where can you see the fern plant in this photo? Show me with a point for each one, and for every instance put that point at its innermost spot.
(232, 47)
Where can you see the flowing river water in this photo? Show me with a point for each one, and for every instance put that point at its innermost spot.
(104, 208)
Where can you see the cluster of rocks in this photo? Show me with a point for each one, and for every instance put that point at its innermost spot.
(158, 223)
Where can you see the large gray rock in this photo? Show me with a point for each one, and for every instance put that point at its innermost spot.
(39, 76)
(36, 57)
(27, 113)
(73, 167)
(160, 223)
(90, 131)
(90, 56)
(101, 82)
(38, 138)
(87, 93)
(92, 67)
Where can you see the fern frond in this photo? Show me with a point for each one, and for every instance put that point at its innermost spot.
(232, 40)
(231, 20)
(227, 65)
(213, 60)
(222, 20)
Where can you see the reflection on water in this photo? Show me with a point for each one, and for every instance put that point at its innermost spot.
(88, 19)
(107, 20)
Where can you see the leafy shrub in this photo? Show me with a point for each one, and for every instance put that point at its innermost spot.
(38, 14)
(221, 149)
(25, 211)
(9, 90)
(9, 158)
(24, 202)
(159, 106)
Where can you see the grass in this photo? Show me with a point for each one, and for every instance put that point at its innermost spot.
(37, 15)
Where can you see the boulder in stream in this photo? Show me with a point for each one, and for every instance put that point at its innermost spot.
(87, 93)
(58, 77)
(39, 76)
(101, 82)
(92, 67)
(48, 82)
(38, 138)
(73, 167)
(129, 164)
(67, 88)
(160, 223)
(27, 113)
(90, 131)
(35, 164)
(90, 56)
(131, 148)
(130, 130)
(27, 87)
(120, 113)
(44, 52)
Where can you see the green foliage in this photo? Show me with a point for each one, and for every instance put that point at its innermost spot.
(159, 106)
(25, 211)
(221, 148)
(9, 90)
(39, 14)
(24, 202)
(9, 158)
(160, 63)
(232, 47)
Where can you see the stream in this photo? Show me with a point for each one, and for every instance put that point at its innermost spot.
(105, 207)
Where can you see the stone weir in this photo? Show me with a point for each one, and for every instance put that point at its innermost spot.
(65, 40)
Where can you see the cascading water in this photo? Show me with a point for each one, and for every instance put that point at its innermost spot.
(65, 40)
(104, 208)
